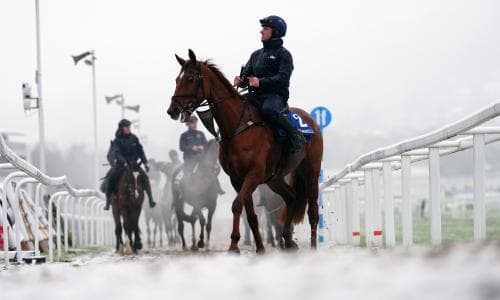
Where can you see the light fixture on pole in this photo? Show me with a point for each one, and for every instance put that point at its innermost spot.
(120, 101)
(89, 59)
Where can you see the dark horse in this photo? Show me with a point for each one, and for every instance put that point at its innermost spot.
(249, 153)
(127, 204)
(199, 191)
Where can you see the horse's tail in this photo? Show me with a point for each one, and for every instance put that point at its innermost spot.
(300, 204)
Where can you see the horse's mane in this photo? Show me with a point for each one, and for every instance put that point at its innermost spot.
(213, 67)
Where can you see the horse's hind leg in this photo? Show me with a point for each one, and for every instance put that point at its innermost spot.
(201, 242)
(288, 194)
(148, 232)
(118, 232)
(269, 229)
(155, 230)
(211, 211)
(313, 214)
(180, 229)
(246, 241)
(254, 224)
(193, 232)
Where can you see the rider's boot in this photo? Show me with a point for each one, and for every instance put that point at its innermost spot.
(296, 137)
(108, 201)
(147, 187)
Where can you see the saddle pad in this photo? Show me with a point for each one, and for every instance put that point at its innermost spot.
(299, 123)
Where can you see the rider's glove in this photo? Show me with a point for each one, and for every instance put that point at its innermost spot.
(147, 168)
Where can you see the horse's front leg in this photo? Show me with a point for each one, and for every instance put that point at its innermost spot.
(244, 197)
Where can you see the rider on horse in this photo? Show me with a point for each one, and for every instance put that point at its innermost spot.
(125, 148)
(192, 144)
(267, 73)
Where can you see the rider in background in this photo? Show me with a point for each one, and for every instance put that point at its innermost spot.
(267, 74)
(125, 148)
(192, 144)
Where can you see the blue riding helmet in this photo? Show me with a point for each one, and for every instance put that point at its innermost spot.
(276, 23)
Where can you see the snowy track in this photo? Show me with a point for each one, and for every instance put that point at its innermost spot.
(467, 271)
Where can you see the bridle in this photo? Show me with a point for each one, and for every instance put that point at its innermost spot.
(207, 118)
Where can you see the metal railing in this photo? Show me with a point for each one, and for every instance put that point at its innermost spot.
(79, 209)
(342, 190)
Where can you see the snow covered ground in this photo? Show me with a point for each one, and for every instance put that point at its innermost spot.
(467, 271)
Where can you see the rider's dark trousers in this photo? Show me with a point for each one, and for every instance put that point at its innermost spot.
(270, 105)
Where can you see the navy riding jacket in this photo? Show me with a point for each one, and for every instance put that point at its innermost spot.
(189, 139)
(125, 148)
(273, 65)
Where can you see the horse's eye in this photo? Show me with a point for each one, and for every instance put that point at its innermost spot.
(190, 78)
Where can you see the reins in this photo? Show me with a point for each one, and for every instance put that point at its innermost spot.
(208, 118)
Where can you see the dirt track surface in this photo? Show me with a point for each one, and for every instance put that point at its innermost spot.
(467, 271)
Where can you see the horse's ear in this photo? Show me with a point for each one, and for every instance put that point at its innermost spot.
(192, 57)
(181, 61)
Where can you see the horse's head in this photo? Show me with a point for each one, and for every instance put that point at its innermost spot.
(189, 89)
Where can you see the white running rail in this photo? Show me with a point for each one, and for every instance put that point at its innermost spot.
(342, 190)
(81, 210)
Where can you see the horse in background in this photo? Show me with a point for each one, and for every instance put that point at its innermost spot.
(153, 216)
(271, 206)
(200, 191)
(162, 217)
(126, 206)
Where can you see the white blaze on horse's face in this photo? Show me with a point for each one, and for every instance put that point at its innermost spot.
(136, 176)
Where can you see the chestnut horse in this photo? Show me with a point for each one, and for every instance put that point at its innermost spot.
(249, 152)
(126, 205)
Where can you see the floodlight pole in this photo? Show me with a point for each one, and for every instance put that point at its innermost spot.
(41, 119)
(94, 95)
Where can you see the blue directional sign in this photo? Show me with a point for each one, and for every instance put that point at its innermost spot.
(322, 116)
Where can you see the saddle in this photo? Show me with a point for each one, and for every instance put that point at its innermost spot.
(279, 133)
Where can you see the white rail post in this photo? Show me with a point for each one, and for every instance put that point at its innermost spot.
(342, 216)
(355, 232)
(337, 215)
(479, 193)
(50, 219)
(80, 221)
(86, 220)
(390, 237)
(406, 199)
(66, 212)
(5, 223)
(328, 213)
(350, 215)
(102, 223)
(435, 195)
(39, 209)
(368, 207)
(74, 241)
(58, 228)
(377, 209)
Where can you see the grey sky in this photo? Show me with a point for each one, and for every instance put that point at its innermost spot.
(381, 66)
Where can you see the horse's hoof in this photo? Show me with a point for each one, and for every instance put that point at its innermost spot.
(194, 248)
(233, 250)
(138, 246)
(184, 248)
(261, 251)
(201, 244)
(291, 246)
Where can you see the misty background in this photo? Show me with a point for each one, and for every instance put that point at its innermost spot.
(388, 70)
